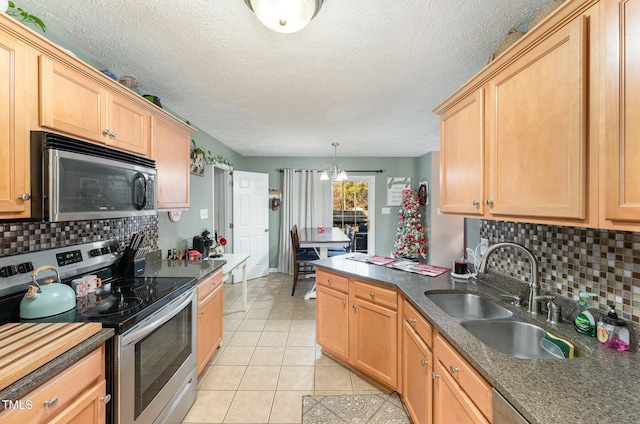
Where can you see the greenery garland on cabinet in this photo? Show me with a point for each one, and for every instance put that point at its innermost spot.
(209, 158)
(23, 16)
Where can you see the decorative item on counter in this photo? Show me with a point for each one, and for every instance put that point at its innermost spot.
(218, 250)
(21, 15)
(411, 243)
(194, 255)
(109, 74)
(153, 99)
(130, 82)
(320, 229)
(612, 331)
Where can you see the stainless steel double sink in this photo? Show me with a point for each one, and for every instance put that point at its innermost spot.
(495, 325)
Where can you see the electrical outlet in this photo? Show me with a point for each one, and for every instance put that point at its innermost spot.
(204, 213)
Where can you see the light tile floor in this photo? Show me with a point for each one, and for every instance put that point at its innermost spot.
(268, 359)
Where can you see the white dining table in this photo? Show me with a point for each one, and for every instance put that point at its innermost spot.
(235, 262)
(310, 237)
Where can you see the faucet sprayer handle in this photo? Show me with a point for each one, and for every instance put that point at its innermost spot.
(554, 311)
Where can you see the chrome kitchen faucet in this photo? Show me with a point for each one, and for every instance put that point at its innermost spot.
(534, 284)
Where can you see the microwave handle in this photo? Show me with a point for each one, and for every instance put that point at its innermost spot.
(139, 191)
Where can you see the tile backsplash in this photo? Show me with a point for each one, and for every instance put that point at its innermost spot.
(23, 237)
(572, 259)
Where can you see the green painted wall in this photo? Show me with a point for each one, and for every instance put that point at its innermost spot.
(385, 225)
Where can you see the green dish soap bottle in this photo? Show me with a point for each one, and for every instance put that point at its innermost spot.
(584, 322)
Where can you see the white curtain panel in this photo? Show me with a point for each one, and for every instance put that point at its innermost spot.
(306, 202)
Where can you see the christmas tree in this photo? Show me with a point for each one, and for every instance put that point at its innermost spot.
(411, 242)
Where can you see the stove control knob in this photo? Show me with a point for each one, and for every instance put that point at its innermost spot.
(114, 248)
(104, 250)
(8, 271)
(25, 267)
(95, 252)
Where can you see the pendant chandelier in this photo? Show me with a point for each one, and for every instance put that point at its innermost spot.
(335, 172)
(284, 16)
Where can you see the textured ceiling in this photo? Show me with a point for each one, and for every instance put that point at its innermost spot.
(365, 74)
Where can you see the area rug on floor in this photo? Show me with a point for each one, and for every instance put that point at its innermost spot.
(354, 409)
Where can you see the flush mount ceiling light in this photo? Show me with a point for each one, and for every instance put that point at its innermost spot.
(285, 16)
(336, 171)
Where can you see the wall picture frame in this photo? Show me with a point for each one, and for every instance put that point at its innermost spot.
(395, 187)
(423, 192)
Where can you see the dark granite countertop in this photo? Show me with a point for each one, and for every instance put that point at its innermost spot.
(600, 387)
(53, 367)
(158, 267)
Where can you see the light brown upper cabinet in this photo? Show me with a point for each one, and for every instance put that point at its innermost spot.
(170, 146)
(622, 138)
(462, 156)
(14, 133)
(77, 105)
(520, 140)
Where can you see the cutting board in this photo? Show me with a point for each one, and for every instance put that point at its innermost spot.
(24, 347)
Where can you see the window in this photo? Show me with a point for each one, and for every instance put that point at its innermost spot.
(351, 205)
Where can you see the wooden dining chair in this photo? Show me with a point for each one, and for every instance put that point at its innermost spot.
(301, 259)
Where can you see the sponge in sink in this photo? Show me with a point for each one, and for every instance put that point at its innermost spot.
(565, 347)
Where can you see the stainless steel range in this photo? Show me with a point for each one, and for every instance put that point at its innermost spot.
(151, 367)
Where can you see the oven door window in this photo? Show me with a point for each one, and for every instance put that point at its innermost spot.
(158, 357)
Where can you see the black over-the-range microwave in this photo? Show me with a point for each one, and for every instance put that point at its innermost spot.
(75, 180)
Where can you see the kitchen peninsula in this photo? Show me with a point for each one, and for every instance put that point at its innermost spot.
(543, 391)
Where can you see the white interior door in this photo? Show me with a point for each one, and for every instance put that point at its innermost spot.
(251, 220)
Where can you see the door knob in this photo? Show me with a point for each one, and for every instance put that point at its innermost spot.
(266, 230)
(25, 196)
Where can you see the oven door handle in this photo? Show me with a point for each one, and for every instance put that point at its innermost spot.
(158, 318)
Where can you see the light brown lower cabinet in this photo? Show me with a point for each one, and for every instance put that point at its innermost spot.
(76, 395)
(451, 403)
(357, 322)
(417, 369)
(461, 395)
(210, 308)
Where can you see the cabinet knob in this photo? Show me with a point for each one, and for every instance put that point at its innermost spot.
(434, 375)
(488, 202)
(113, 135)
(412, 321)
(105, 399)
(201, 312)
(344, 302)
(424, 362)
(475, 203)
(25, 196)
(51, 402)
(354, 307)
(453, 369)
(329, 281)
(372, 294)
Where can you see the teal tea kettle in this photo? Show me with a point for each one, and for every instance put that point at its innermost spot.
(47, 299)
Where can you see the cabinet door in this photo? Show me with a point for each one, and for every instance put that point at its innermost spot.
(538, 110)
(14, 131)
(622, 149)
(417, 367)
(70, 102)
(332, 322)
(205, 337)
(88, 408)
(170, 149)
(451, 404)
(128, 124)
(462, 156)
(374, 341)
